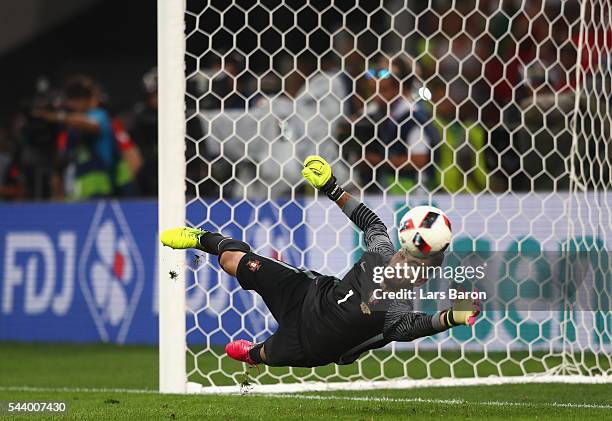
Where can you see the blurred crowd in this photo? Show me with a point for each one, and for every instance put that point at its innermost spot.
(68, 143)
(470, 101)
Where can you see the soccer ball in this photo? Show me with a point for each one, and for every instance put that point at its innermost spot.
(424, 230)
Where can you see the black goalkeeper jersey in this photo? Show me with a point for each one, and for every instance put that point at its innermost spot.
(336, 316)
(338, 320)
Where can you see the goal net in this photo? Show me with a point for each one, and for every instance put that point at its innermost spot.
(497, 112)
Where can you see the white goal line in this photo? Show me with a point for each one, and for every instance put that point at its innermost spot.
(395, 384)
(383, 399)
(443, 401)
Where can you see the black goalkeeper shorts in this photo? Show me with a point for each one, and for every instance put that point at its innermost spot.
(283, 289)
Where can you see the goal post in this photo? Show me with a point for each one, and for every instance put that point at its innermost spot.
(500, 116)
(171, 202)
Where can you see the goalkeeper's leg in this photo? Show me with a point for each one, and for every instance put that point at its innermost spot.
(281, 286)
(229, 250)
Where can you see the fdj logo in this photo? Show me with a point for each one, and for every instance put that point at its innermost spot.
(111, 272)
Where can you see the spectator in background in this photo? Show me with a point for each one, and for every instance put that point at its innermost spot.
(457, 65)
(229, 86)
(88, 149)
(405, 135)
(35, 141)
(272, 135)
(460, 157)
(262, 149)
(11, 187)
(320, 105)
(129, 157)
(321, 98)
(142, 127)
(130, 161)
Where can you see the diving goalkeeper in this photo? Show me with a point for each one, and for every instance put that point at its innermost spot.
(325, 319)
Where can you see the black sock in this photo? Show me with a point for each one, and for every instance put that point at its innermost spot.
(254, 354)
(209, 242)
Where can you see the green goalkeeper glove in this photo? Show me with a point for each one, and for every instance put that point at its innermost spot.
(463, 312)
(319, 175)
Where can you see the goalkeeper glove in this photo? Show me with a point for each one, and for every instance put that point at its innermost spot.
(319, 175)
(463, 312)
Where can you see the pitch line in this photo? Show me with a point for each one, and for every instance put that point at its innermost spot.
(74, 389)
(455, 402)
(444, 401)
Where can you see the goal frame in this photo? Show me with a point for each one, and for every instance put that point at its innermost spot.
(171, 39)
(171, 196)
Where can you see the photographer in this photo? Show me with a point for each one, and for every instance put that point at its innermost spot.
(87, 148)
(34, 141)
(403, 131)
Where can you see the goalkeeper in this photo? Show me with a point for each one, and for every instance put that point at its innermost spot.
(325, 319)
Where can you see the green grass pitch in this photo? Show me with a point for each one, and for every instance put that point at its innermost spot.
(111, 382)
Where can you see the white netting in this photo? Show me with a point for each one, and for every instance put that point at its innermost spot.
(498, 112)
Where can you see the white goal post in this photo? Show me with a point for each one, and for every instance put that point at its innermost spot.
(509, 106)
(171, 59)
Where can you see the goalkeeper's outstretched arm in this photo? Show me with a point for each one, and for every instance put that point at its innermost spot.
(319, 174)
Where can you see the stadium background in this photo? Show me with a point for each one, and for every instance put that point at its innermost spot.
(39, 60)
(54, 277)
(54, 256)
